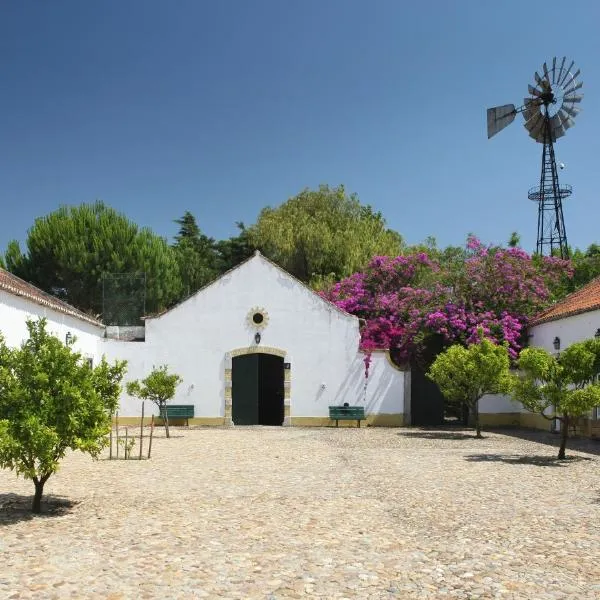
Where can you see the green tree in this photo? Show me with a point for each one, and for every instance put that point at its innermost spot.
(196, 255)
(51, 401)
(71, 249)
(236, 249)
(514, 240)
(586, 266)
(465, 375)
(323, 235)
(562, 387)
(158, 387)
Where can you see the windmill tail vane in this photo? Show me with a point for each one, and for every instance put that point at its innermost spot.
(549, 111)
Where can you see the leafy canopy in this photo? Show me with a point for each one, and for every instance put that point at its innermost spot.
(323, 235)
(159, 386)
(196, 255)
(70, 249)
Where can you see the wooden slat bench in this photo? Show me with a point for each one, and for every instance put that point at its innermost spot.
(180, 411)
(347, 413)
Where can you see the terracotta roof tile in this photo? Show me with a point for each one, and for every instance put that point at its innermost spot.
(583, 300)
(15, 285)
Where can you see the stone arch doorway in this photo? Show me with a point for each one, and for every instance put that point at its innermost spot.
(257, 387)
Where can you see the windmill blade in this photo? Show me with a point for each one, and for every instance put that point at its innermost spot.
(536, 126)
(538, 79)
(562, 64)
(571, 99)
(556, 126)
(574, 88)
(499, 117)
(532, 107)
(546, 76)
(566, 120)
(566, 73)
(537, 136)
(572, 111)
(533, 91)
(553, 69)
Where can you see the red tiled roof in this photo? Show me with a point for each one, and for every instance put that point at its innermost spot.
(15, 285)
(583, 300)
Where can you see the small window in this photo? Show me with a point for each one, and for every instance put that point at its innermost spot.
(90, 362)
(258, 318)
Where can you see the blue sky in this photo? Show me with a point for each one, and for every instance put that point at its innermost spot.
(222, 107)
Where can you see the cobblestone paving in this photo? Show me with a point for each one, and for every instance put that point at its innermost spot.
(274, 513)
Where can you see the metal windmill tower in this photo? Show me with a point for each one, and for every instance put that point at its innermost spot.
(549, 111)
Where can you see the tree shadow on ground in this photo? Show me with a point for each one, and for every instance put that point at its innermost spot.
(17, 507)
(577, 444)
(437, 434)
(519, 459)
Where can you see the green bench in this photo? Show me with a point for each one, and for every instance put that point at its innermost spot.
(347, 413)
(179, 411)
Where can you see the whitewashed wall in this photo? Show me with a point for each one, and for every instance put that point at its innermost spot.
(498, 404)
(385, 386)
(569, 330)
(15, 310)
(320, 341)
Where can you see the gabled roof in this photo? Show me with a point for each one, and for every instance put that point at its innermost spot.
(18, 287)
(583, 300)
(264, 258)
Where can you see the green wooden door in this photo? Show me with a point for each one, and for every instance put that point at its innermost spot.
(245, 389)
(270, 394)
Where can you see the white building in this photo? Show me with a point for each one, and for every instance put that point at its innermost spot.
(20, 301)
(258, 346)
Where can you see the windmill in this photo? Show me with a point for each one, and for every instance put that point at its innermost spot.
(549, 111)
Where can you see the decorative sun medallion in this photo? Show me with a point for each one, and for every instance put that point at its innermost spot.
(258, 318)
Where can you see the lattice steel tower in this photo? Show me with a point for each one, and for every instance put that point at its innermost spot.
(549, 111)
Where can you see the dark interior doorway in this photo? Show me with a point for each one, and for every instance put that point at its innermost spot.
(257, 389)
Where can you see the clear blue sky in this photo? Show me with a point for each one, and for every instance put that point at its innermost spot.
(222, 107)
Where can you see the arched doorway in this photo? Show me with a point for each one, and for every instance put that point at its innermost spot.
(257, 390)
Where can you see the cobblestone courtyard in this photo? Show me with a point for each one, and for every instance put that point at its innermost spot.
(276, 513)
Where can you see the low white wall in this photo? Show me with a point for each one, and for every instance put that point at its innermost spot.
(15, 310)
(498, 404)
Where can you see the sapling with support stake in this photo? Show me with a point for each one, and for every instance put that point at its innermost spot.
(159, 387)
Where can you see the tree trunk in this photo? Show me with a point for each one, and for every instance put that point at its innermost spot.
(564, 434)
(36, 506)
(163, 411)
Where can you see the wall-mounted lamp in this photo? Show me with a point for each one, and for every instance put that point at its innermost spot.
(257, 337)
(68, 338)
(597, 334)
(556, 343)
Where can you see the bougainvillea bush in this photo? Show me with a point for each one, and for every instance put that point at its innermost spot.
(408, 300)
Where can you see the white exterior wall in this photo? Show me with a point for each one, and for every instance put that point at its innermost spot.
(319, 341)
(15, 310)
(569, 330)
(498, 404)
(384, 386)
